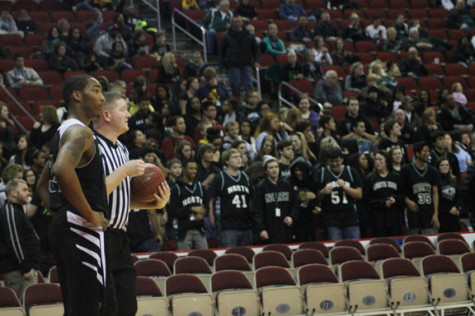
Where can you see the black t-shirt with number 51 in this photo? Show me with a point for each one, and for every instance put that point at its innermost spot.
(338, 208)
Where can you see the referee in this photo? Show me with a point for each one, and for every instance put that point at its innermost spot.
(118, 171)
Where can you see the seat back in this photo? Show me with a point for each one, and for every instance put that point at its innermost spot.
(386, 240)
(149, 298)
(247, 252)
(168, 257)
(307, 256)
(342, 254)
(9, 303)
(270, 258)
(188, 295)
(43, 299)
(316, 245)
(283, 249)
(351, 243)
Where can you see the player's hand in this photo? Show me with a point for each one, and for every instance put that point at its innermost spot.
(309, 196)
(435, 222)
(288, 221)
(163, 196)
(135, 167)
(264, 235)
(390, 202)
(326, 190)
(412, 206)
(317, 210)
(97, 219)
(199, 210)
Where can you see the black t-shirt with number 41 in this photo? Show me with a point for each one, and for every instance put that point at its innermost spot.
(338, 208)
(235, 198)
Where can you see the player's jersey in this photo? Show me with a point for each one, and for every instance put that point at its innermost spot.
(338, 208)
(235, 196)
(91, 177)
(418, 185)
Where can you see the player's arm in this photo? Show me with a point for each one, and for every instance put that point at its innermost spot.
(435, 198)
(132, 168)
(42, 187)
(75, 143)
(160, 200)
(355, 193)
(211, 211)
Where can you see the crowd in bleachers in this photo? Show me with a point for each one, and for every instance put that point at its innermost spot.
(389, 77)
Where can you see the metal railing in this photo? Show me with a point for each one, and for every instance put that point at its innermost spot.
(155, 8)
(283, 100)
(12, 98)
(176, 16)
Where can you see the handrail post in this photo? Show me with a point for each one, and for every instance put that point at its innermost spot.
(173, 32)
(205, 48)
(159, 20)
(258, 79)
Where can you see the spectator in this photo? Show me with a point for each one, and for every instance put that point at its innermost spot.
(274, 207)
(301, 32)
(246, 10)
(234, 189)
(397, 159)
(270, 125)
(354, 32)
(353, 115)
(193, 115)
(341, 56)
(216, 20)
(231, 112)
(413, 66)
(42, 132)
(21, 76)
(138, 119)
(377, 67)
(168, 70)
(376, 30)
(383, 193)
(124, 29)
(312, 70)
(338, 187)
(359, 135)
(452, 116)
(59, 61)
(451, 202)
(238, 53)
(189, 203)
(139, 45)
(92, 61)
(408, 106)
(8, 25)
(461, 17)
(76, 44)
(21, 246)
(322, 55)
(286, 156)
(329, 90)
(161, 46)
(21, 155)
(421, 183)
(417, 41)
(308, 115)
(25, 24)
(273, 44)
(105, 42)
(169, 143)
(455, 147)
(207, 168)
(291, 11)
(292, 69)
(427, 126)
(457, 93)
(356, 80)
(392, 44)
(401, 27)
(440, 150)
(51, 40)
(464, 52)
(8, 131)
(392, 129)
(94, 31)
(326, 29)
(209, 114)
(328, 125)
(214, 92)
(195, 66)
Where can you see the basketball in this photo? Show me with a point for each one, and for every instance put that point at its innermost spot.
(142, 188)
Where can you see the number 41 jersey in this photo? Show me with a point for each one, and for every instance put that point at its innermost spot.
(235, 196)
(338, 208)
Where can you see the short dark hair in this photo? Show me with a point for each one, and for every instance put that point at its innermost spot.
(419, 146)
(436, 134)
(355, 123)
(334, 152)
(388, 126)
(325, 119)
(74, 83)
(204, 148)
(282, 144)
(185, 162)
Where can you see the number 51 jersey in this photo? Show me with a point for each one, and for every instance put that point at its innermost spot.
(235, 197)
(338, 208)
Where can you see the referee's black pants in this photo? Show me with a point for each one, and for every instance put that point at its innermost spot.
(124, 277)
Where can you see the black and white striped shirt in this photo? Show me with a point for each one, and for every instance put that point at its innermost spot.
(114, 156)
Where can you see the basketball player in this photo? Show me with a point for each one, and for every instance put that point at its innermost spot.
(118, 171)
(338, 187)
(234, 189)
(421, 182)
(72, 186)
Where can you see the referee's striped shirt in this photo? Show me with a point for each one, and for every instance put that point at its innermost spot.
(114, 156)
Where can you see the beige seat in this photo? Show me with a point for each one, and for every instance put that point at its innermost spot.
(188, 295)
(150, 300)
(9, 303)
